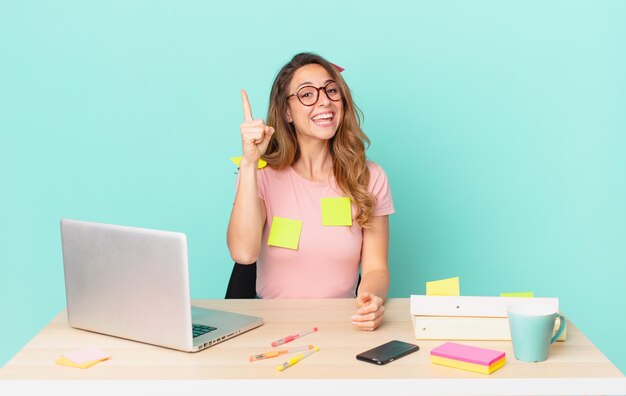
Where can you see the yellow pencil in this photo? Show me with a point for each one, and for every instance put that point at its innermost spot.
(296, 359)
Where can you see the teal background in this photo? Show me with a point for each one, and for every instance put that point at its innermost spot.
(501, 126)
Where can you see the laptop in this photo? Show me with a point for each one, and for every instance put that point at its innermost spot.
(133, 283)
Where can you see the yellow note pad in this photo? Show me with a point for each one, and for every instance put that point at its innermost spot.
(63, 361)
(285, 233)
(518, 294)
(336, 211)
(479, 368)
(237, 160)
(444, 287)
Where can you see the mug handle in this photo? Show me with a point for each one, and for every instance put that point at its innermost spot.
(560, 330)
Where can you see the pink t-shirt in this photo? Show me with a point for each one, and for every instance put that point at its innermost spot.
(326, 263)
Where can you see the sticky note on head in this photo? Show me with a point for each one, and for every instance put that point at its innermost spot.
(285, 233)
(444, 287)
(237, 161)
(338, 67)
(336, 211)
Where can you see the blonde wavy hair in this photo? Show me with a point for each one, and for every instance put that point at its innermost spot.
(347, 147)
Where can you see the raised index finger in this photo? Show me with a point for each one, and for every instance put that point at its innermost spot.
(247, 110)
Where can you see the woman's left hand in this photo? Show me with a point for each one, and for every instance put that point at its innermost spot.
(369, 313)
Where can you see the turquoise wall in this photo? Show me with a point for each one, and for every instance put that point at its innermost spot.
(501, 125)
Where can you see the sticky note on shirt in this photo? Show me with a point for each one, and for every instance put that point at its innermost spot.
(237, 160)
(336, 211)
(285, 233)
(518, 294)
(444, 287)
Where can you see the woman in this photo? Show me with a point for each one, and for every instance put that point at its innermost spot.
(292, 217)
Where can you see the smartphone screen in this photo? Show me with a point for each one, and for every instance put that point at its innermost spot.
(388, 352)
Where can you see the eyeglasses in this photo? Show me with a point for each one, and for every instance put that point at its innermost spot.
(309, 95)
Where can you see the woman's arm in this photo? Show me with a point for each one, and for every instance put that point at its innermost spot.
(374, 285)
(247, 218)
(245, 227)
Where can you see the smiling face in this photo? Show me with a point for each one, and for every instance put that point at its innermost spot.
(321, 120)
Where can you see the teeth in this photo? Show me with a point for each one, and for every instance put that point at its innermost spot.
(325, 116)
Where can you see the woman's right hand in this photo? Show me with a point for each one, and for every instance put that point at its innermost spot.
(255, 135)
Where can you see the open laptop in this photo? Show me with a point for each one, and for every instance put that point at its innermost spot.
(133, 283)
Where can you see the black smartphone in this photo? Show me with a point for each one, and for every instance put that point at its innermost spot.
(387, 352)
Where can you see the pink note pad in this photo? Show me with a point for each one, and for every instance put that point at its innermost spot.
(467, 353)
(86, 355)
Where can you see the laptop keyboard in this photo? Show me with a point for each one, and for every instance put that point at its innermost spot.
(199, 329)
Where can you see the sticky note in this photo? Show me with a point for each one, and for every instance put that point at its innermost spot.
(338, 67)
(83, 358)
(518, 294)
(285, 233)
(467, 353)
(237, 160)
(62, 361)
(468, 357)
(336, 211)
(86, 355)
(479, 368)
(444, 287)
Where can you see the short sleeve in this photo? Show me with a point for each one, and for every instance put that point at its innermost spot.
(379, 187)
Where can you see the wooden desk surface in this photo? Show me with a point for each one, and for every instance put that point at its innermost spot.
(575, 366)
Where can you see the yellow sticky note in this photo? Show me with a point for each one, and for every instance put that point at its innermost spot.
(63, 361)
(285, 233)
(518, 294)
(237, 160)
(444, 287)
(336, 211)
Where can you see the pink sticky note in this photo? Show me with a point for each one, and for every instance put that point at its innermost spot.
(86, 355)
(467, 353)
(338, 67)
